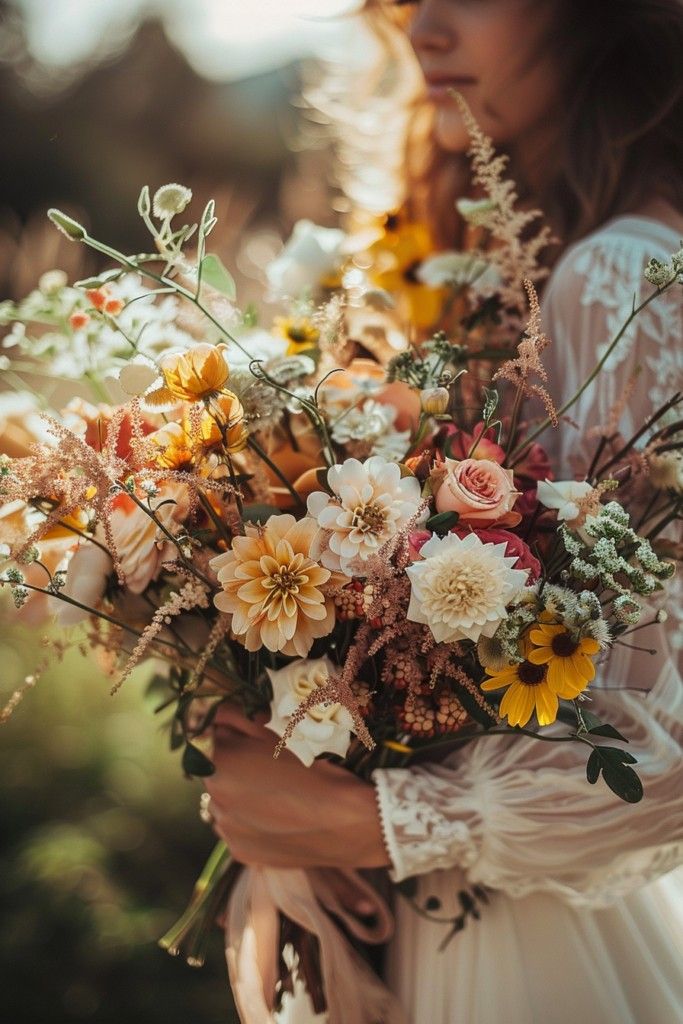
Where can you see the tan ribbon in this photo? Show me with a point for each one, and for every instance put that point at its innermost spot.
(354, 993)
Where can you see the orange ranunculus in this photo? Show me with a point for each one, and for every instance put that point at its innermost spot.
(198, 373)
(402, 397)
(308, 481)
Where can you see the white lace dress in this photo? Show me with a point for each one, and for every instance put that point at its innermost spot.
(585, 919)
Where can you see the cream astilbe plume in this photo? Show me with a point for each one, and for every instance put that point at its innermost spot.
(191, 595)
(528, 361)
(515, 257)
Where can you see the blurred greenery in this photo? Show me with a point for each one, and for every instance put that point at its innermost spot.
(101, 843)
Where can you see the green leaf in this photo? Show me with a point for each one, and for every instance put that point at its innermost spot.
(195, 762)
(214, 274)
(614, 755)
(67, 225)
(259, 513)
(593, 767)
(607, 730)
(442, 522)
(321, 477)
(97, 282)
(588, 719)
(623, 781)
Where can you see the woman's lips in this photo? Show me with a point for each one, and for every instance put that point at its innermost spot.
(440, 88)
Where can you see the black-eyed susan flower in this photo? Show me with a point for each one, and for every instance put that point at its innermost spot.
(300, 332)
(568, 658)
(528, 691)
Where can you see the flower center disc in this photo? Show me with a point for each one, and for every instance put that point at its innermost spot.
(563, 645)
(369, 518)
(531, 675)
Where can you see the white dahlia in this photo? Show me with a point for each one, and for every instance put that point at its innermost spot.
(370, 504)
(461, 587)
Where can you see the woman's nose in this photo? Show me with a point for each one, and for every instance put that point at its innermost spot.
(430, 31)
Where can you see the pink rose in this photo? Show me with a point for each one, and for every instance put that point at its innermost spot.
(515, 548)
(480, 491)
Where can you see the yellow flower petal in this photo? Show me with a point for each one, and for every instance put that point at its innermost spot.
(540, 655)
(547, 705)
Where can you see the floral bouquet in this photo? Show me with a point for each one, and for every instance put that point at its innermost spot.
(343, 520)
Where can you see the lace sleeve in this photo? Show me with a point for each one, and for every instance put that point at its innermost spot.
(518, 815)
(588, 298)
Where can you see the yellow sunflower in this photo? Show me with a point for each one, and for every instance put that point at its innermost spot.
(397, 256)
(528, 691)
(570, 668)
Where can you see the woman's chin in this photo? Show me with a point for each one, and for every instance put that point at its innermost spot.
(450, 132)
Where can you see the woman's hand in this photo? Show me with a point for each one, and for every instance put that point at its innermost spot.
(279, 813)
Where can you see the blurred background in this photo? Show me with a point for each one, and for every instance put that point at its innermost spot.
(101, 840)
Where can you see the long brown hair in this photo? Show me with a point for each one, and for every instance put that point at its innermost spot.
(618, 140)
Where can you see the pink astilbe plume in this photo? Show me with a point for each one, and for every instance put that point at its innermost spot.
(75, 477)
(191, 595)
(335, 691)
(527, 360)
(516, 258)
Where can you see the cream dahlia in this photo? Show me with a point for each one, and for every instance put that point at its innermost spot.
(461, 587)
(272, 587)
(369, 505)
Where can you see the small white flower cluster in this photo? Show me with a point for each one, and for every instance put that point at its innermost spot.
(145, 325)
(600, 559)
(372, 426)
(660, 274)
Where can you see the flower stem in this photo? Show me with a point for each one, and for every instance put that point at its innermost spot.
(544, 424)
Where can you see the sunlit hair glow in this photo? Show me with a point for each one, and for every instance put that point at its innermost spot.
(616, 144)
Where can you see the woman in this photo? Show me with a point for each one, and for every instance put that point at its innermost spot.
(582, 921)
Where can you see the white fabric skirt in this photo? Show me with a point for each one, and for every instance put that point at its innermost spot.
(538, 960)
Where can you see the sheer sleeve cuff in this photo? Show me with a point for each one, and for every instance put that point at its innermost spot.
(420, 832)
